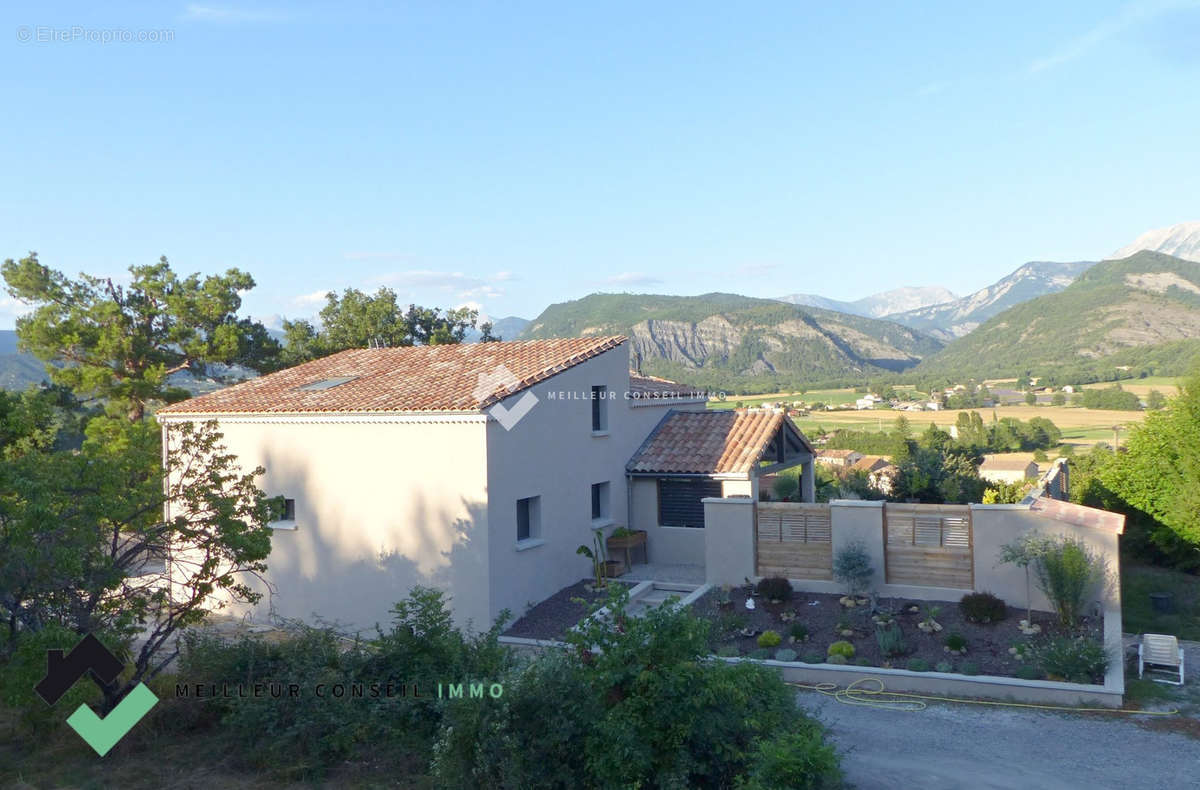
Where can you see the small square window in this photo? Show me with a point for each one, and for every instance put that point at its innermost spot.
(600, 506)
(529, 518)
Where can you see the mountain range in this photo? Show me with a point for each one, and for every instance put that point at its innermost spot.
(1141, 311)
(728, 341)
(877, 305)
(1139, 308)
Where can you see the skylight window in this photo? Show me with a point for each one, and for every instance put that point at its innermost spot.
(325, 384)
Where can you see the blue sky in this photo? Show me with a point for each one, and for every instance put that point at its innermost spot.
(511, 155)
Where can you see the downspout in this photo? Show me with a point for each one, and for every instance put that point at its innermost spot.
(628, 500)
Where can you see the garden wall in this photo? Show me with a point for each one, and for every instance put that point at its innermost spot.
(732, 552)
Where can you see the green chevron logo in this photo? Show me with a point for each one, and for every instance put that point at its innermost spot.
(90, 657)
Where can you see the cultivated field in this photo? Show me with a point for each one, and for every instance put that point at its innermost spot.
(1082, 427)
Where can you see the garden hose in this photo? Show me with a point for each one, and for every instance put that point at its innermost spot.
(856, 693)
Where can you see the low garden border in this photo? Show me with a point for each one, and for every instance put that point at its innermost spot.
(1047, 692)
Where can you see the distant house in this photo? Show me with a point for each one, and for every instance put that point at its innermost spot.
(880, 472)
(1007, 468)
(934, 405)
(1068, 389)
(838, 458)
(478, 469)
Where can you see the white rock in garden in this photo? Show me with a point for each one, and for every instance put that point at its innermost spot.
(750, 604)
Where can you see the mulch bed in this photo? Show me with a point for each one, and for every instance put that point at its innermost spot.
(551, 618)
(987, 644)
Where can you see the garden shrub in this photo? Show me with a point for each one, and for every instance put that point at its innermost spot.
(774, 588)
(769, 639)
(785, 654)
(311, 734)
(917, 665)
(891, 641)
(813, 657)
(759, 653)
(785, 487)
(956, 642)
(841, 648)
(1078, 659)
(798, 760)
(983, 607)
(862, 661)
(969, 668)
(836, 659)
(799, 632)
(1069, 573)
(1027, 672)
(944, 666)
(852, 567)
(629, 706)
(728, 651)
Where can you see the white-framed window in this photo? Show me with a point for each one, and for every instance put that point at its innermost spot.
(600, 409)
(529, 521)
(601, 507)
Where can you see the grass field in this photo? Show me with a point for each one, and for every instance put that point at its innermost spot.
(1082, 427)
(1138, 581)
(1167, 385)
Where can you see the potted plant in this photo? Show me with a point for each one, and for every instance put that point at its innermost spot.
(602, 567)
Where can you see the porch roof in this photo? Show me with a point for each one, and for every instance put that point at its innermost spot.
(714, 442)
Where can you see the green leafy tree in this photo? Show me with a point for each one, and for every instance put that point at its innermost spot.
(94, 541)
(1031, 398)
(1059, 399)
(120, 343)
(1159, 470)
(1155, 400)
(358, 320)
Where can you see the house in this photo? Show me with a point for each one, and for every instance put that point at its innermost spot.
(477, 469)
(934, 405)
(865, 403)
(880, 471)
(1008, 468)
(838, 458)
(1068, 389)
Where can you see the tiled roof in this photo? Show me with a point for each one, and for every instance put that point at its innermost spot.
(708, 442)
(1000, 463)
(416, 378)
(870, 463)
(838, 454)
(653, 387)
(1079, 515)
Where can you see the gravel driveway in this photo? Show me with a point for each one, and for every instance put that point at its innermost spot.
(957, 746)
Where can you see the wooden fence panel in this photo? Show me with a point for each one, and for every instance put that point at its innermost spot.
(929, 545)
(794, 540)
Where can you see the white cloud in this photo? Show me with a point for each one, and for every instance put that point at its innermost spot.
(463, 286)
(229, 14)
(632, 278)
(1132, 14)
(310, 299)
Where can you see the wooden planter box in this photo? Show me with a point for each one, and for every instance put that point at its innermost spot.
(614, 568)
(626, 544)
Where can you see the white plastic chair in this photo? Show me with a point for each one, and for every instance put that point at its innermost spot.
(1164, 653)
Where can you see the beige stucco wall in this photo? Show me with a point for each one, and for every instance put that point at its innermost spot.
(388, 502)
(992, 527)
(677, 545)
(551, 453)
(380, 506)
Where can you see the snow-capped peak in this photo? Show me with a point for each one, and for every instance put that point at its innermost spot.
(1181, 240)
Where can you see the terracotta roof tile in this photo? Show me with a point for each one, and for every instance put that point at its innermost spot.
(1079, 515)
(417, 378)
(870, 463)
(707, 442)
(654, 387)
